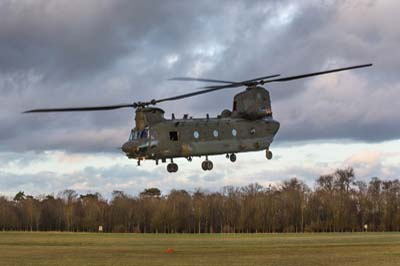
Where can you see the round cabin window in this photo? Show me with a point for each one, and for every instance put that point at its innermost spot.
(196, 134)
(234, 132)
(215, 133)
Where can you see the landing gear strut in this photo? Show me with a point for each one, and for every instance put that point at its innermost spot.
(207, 165)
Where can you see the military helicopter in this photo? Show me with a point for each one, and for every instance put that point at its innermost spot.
(249, 126)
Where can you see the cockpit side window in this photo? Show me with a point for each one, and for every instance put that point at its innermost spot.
(145, 133)
(139, 134)
(134, 135)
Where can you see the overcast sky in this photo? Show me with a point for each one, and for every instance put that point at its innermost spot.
(93, 52)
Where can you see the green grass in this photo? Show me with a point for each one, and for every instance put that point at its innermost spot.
(19, 248)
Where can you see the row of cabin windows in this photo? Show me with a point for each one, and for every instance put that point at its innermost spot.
(173, 135)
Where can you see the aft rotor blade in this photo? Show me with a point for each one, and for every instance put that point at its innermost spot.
(232, 84)
(202, 80)
(210, 89)
(315, 73)
(80, 109)
(261, 81)
(256, 81)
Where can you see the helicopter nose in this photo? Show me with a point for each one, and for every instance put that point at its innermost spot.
(128, 147)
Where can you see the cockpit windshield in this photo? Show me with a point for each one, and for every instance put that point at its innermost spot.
(139, 134)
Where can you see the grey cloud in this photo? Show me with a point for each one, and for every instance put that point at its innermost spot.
(125, 177)
(62, 37)
(129, 178)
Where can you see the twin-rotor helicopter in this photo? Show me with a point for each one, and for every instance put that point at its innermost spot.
(249, 126)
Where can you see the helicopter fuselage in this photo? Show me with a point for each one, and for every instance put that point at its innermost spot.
(248, 127)
(190, 137)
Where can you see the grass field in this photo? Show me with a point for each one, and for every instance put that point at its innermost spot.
(18, 248)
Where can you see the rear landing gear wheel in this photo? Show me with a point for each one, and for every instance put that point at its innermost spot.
(207, 165)
(204, 165)
(268, 154)
(232, 157)
(172, 167)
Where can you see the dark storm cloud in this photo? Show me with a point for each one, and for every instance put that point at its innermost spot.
(71, 38)
(80, 39)
(60, 53)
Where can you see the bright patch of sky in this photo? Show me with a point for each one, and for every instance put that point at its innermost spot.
(284, 15)
(170, 60)
(208, 55)
(50, 172)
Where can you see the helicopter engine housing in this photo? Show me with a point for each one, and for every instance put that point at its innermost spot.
(253, 103)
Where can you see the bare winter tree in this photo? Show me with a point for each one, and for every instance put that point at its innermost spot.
(337, 203)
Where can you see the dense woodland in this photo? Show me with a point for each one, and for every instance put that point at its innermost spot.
(337, 203)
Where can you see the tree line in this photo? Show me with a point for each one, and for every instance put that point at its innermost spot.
(337, 203)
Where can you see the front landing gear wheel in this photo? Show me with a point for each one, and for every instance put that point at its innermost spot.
(232, 157)
(268, 154)
(172, 167)
(207, 165)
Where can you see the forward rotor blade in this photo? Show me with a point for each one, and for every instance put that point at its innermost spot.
(315, 73)
(186, 95)
(202, 80)
(259, 79)
(80, 109)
